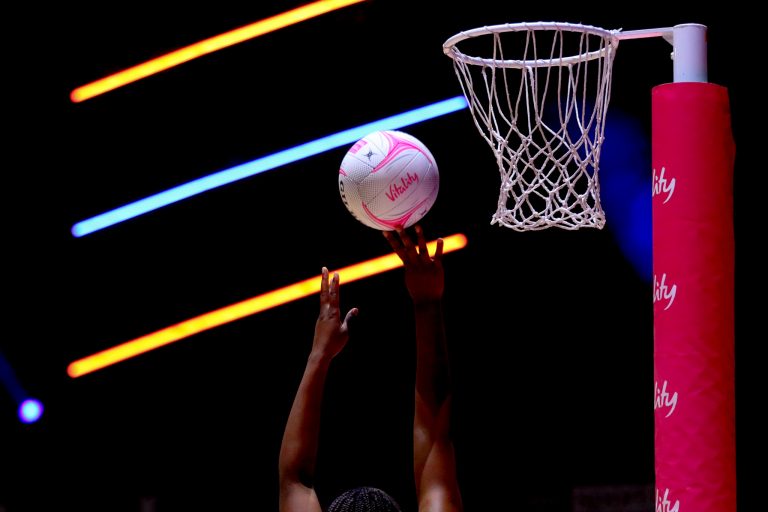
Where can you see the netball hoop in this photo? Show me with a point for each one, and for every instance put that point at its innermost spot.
(539, 97)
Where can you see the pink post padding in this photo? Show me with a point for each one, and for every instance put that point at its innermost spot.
(693, 266)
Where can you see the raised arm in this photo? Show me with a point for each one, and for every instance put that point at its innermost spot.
(434, 459)
(298, 451)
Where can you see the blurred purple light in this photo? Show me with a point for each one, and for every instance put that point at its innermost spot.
(30, 410)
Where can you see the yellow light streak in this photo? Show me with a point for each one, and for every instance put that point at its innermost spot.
(242, 309)
(206, 46)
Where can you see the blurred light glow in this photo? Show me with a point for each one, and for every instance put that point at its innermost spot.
(265, 163)
(242, 309)
(625, 189)
(9, 380)
(206, 46)
(30, 410)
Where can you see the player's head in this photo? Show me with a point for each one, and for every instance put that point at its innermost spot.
(364, 499)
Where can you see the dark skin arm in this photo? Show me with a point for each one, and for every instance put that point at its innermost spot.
(434, 460)
(298, 452)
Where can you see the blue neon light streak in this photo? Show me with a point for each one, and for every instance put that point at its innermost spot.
(263, 164)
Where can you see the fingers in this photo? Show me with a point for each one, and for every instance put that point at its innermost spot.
(329, 289)
(439, 250)
(329, 295)
(409, 249)
(351, 313)
(333, 290)
(324, 283)
(395, 244)
(423, 251)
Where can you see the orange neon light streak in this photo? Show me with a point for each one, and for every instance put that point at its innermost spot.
(206, 46)
(242, 309)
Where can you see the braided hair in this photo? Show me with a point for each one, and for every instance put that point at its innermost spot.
(364, 499)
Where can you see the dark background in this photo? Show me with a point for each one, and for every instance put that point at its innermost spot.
(551, 331)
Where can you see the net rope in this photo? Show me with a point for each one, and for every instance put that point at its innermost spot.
(542, 112)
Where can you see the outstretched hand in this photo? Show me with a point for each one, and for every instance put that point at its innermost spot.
(424, 276)
(331, 333)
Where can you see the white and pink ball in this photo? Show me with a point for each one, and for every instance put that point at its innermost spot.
(388, 179)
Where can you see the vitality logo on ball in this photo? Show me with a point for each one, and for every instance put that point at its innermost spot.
(395, 189)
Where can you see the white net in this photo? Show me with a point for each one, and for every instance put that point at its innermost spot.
(539, 99)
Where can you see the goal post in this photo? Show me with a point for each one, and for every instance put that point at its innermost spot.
(538, 94)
